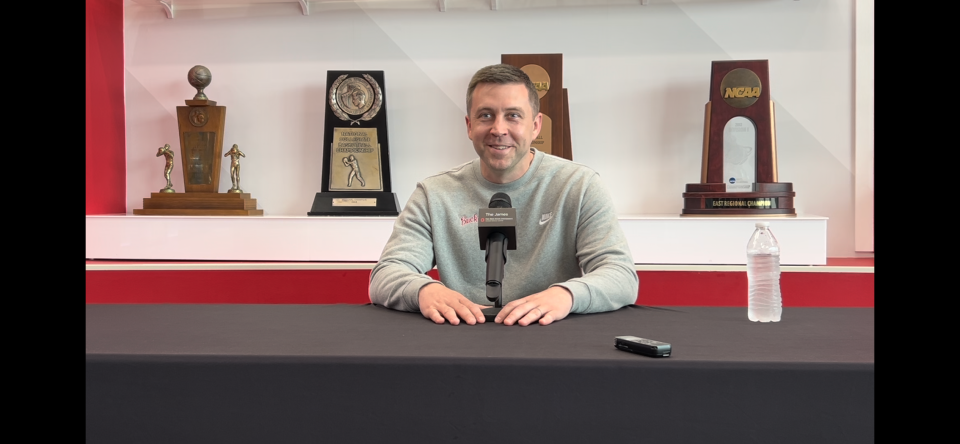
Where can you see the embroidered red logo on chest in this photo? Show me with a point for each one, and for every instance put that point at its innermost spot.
(468, 220)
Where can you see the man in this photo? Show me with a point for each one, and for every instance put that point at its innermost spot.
(571, 256)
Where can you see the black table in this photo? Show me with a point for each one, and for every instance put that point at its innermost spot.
(350, 373)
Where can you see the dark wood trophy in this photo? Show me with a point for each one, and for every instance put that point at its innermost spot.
(738, 174)
(356, 154)
(201, 124)
(546, 72)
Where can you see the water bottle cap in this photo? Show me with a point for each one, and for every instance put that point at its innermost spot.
(763, 224)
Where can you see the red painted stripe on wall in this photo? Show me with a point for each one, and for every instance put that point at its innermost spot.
(729, 289)
(228, 287)
(106, 170)
(657, 288)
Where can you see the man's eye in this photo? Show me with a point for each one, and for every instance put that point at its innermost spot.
(514, 115)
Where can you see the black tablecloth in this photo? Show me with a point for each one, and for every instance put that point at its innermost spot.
(348, 373)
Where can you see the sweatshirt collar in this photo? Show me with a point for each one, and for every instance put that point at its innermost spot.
(515, 185)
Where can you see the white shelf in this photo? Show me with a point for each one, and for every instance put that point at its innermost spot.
(654, 239)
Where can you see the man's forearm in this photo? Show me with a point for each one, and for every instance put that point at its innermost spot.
(406, 258)
(394, 285)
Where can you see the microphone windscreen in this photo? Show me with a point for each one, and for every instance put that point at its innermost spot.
(500, 200)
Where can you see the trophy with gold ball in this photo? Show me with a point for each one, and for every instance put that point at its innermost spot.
(201, 123)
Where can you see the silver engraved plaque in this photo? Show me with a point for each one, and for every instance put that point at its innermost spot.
(739, 154)
(352, 202)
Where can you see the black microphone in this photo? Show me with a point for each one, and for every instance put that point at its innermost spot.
(497, 227)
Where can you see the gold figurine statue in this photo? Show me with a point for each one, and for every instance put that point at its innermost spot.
(167, 153)
(235, 155)
(354, 170)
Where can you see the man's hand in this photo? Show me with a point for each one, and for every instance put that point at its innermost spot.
(552, 304)
(439, 303)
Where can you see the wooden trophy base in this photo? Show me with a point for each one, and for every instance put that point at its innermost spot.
(199, 204)
(766, 199)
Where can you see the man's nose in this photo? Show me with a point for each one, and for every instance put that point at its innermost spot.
(499, 127)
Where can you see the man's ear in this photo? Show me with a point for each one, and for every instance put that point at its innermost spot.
(467, 120)
(537, 125)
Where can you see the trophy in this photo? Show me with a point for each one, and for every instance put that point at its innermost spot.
(738, 175)
(356, 154)
(546, 73)
(201, 124)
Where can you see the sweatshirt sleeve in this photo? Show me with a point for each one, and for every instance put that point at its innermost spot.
(396, 280)
(610, 278)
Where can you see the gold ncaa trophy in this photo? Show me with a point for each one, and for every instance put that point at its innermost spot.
(546, 73)
(201, 124)
(738, 175)
(356, 152)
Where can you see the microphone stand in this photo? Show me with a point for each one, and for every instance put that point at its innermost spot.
(496, 259)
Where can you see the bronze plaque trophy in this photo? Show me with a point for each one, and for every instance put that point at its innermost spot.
(546, 72)
(201, 124)
(356, 153)
(738, 175)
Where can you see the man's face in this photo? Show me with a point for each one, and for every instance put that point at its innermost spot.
(501, 125)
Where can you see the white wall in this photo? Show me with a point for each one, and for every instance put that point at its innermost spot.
(638, 79)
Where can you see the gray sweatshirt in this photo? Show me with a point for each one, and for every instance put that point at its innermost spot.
(567, 235)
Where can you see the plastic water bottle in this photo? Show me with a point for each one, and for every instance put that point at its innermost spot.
(763, 275)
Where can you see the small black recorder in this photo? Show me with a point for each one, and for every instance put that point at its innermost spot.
(642, 346)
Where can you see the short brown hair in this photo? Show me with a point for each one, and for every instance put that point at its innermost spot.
(503, 74)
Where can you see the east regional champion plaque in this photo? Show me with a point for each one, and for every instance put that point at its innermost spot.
(356, 160)
(738, 175)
